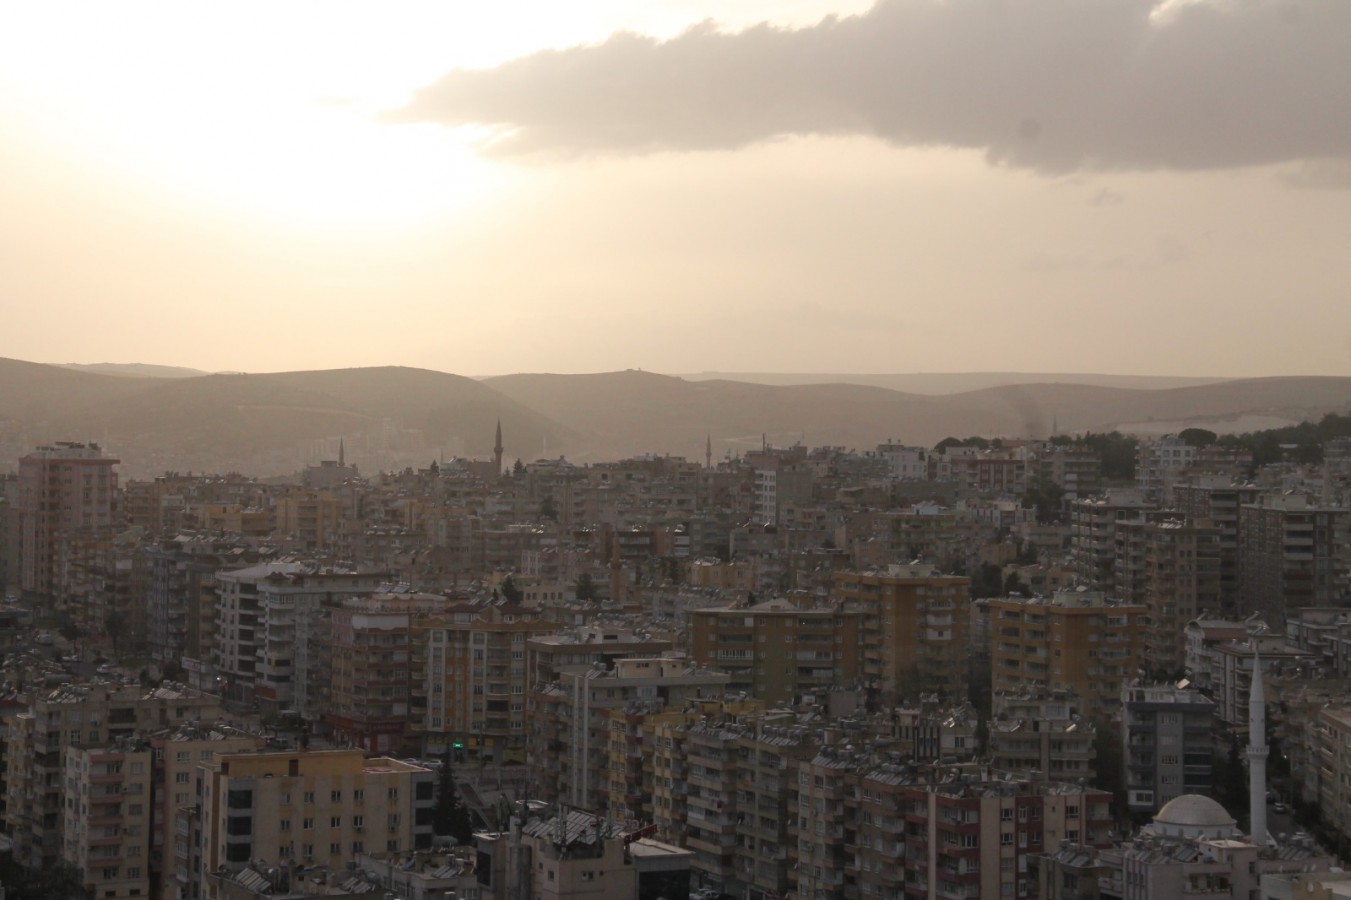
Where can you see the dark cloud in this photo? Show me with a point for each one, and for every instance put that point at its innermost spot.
(1052, 85)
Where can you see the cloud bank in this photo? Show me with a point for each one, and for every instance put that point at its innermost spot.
(1050, 85)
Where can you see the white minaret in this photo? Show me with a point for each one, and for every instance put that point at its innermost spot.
(1257, 756)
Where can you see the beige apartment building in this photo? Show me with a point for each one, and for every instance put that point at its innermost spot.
(913, 630)
(108, 818)
(1079, 641)
(778, 650)
(309, 808)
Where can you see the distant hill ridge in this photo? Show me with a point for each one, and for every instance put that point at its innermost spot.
(391, 417)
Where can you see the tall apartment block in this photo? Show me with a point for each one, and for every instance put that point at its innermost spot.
(376, 665)
(1292, 553)
(66, 494)
(1168, 738)
(107, 832)
(1170, 565)
(780, 650)
(475, 679)
(884, 829)
(71, 717)
(912, 631)
(308, 808)
(1093, 525)
(1218, 500)
(1078, 641)
(569, 720)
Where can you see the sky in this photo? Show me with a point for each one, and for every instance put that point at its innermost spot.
(1115, 186)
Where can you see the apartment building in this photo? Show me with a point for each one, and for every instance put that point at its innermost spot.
(1078, 641)
(779, 650)
(1167, 734)
(66, 496)
(107, 822)
(569, 720)
(912, 629)
(870, 828)
(1291, 553)
(475, 679)
(1042, 736)
(320, 807)
(175, 851)
(87, 715)
(1217, 500)
(375, 691)
(1171, 565)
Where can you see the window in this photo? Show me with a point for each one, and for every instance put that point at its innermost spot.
(335, 796)
(358, 795)
(307, 822)
(309, 796)
(285, 824)
(181, 777)
(1006, 839)
(335, 849)
(335, 822)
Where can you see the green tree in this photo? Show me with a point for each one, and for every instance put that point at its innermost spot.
(585, 587)
(988, 582)
(1014, 585)
(511, 591)
(59, 882)
(517, 469)
(115, 624)
(547, 509)
(1110, 764)
(1198, 437)
(450, 817)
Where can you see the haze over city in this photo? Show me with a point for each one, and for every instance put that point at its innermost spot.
(809, 186)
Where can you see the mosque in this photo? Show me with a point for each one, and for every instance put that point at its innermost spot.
(1193, 848)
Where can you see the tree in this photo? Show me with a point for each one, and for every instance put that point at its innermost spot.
(517, 469)
(450, 817)
(60, 882)
(988, 582)
(547, 509)
(511, 591)
(1198, 437)
(1014, 585)
(115, 624)
(585, 587)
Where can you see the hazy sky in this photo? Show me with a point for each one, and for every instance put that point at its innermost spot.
(675, 185)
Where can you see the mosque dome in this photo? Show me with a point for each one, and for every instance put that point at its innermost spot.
(1193, 815)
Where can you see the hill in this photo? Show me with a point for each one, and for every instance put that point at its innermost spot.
(391, 417)
(635, 412)
(135, 370)
(263, 424)
(956, 382)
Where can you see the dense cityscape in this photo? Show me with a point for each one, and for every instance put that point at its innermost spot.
(1083, 667)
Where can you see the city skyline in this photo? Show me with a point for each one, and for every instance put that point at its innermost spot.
(679, 186)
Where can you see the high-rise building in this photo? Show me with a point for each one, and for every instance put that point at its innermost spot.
(474, 679)
(96, 715)
(1167, 734)
(107, 830)
(569, 720)
(780, 650)
(1079, 641)
(306, 808)
(66, 493)
(912, 634)
(1291, 553)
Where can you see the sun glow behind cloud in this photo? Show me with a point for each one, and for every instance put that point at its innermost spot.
(267, 118)
(269, 113)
